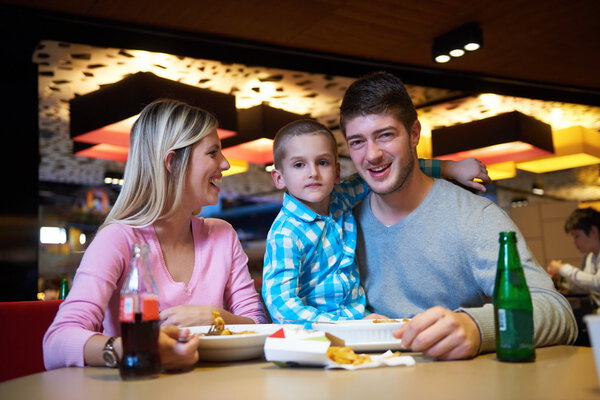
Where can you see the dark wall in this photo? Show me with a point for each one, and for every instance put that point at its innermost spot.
(22, 28)
(19, 228)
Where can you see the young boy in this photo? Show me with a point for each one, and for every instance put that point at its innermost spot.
(583, 225)
(310, 273)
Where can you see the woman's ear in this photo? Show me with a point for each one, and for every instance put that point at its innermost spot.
(169, 160)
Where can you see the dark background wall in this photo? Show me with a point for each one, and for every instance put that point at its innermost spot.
(22, 28)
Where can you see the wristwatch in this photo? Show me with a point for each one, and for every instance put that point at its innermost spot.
(109, 354)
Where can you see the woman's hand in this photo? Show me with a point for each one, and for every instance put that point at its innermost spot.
(177, 348)
(187, 315)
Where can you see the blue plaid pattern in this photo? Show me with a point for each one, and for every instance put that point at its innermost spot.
(309, 270)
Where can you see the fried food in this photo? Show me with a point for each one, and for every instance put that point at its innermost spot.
(218, 327)
(345, 355)
(383, 321)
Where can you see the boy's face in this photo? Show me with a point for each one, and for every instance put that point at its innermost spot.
(382, 150)
(585, 243)
(309, 171)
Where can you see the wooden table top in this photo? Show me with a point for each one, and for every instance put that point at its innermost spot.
(560, 372)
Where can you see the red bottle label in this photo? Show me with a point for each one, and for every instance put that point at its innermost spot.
(127, 309)
(149, 307)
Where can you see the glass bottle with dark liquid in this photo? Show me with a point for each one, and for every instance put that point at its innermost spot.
(139, 319)
(512, 305)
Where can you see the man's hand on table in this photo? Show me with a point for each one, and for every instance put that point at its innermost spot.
(441, 333)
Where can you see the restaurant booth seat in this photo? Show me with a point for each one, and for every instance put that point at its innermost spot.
(23, 326)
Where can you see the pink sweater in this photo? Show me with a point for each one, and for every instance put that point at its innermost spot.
(220, 278)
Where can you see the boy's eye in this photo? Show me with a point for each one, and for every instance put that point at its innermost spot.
(324, 163)
(298, 164)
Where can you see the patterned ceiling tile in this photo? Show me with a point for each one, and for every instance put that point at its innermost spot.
(67, 70)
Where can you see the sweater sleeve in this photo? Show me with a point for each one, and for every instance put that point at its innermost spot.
(81, 315)
(554, 322)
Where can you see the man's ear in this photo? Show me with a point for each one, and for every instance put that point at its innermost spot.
(169, 160)
(278, 180)
(415, 133)
(594, 231)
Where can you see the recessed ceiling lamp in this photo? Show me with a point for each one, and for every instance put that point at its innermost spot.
(505, 137)
(455, 43)
(573, 147)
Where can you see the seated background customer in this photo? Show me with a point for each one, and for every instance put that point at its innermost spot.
(583, 225)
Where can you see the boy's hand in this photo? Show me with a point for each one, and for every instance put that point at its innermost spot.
(465, 171)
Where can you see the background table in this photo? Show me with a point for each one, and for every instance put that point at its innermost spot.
(560, 372)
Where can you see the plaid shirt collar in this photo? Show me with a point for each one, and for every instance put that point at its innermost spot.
(299, 210)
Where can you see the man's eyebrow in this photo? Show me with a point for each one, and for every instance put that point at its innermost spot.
(376, 131)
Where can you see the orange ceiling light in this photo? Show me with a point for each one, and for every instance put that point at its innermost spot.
(101, 120)
(118, 133)
(259, 151)
(574, 147)
(102, 151)
(505, 137)
(503, 170)
(257, 127)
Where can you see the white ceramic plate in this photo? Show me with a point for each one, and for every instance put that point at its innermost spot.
(234, 347)
(364, 335)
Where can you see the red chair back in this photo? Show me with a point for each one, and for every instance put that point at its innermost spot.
(23, 326)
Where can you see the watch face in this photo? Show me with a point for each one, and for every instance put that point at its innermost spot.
(109, 358)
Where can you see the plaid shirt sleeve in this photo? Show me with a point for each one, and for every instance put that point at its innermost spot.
(430, 167)
(283, 258)
(354, 190)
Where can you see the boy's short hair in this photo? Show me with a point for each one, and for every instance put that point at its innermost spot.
(378, 93)
(298, 128)
(583, 219)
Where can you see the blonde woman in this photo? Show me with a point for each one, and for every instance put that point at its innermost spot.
(174, 168)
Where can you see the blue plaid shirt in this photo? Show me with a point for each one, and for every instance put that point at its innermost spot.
(310, 272)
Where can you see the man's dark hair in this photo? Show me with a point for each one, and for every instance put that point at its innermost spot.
(378, 93)
(583, 219)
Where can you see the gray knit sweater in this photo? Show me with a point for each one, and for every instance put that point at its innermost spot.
(445, 253)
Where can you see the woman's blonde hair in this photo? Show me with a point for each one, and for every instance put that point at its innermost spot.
(150, 191)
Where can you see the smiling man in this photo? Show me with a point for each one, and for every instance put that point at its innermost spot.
(428, 249)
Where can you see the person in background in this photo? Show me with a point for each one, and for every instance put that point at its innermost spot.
(583, 225)
(309, 270)
(174, 168)
(427, 249)
(51, 288)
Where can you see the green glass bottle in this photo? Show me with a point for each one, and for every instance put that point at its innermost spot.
(513, 310)
(64, 289)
